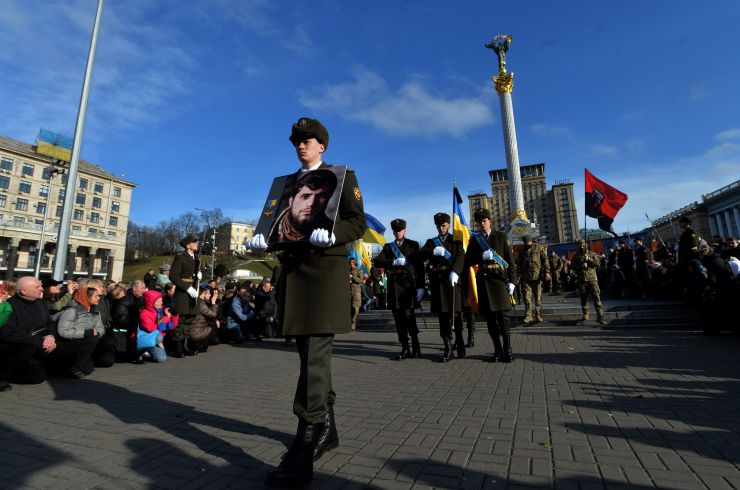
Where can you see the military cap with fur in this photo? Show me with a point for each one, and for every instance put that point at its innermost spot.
(188, 240)
(398, 224)
(440, 218)
(684, 219)
(481, 213)
(307, 128)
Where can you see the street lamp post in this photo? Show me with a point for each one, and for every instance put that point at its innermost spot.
(40, 255)
(213, 252)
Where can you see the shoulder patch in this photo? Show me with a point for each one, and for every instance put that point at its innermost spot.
(358, 194)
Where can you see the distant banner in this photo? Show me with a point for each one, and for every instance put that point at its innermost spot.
(603, 202)
(54, 145)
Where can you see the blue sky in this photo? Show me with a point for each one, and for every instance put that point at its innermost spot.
(194, 100)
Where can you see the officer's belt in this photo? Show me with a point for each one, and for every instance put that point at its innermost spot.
(186, 279)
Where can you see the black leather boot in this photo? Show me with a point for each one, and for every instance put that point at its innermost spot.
(471, 336)
(449, 353)
(179, 349)
(415, 348)
(460, 345)
(296, 469)
(498, 350)
(186, 349)
(405, 352)
(508, 356)
(328, 438)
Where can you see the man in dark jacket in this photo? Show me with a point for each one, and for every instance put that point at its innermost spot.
(125, 316)
(314, 305)
(185, 274)
(445, 259)
(491, 251)
(405, 285)
(27, 336)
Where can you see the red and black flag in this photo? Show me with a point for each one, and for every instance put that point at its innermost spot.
(603, 202)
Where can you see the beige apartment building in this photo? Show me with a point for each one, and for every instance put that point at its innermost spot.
(232, 236)
(554, 210)
(28, 184)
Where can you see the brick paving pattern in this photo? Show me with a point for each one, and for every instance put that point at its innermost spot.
(580, 408)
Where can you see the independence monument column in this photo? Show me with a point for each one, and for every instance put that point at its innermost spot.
(504, 83)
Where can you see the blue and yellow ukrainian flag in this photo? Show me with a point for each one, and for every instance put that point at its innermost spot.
(358, 251)
(375, 230)
(54, 145)
(461, 232)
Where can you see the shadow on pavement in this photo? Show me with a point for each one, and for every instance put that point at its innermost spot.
(176, 419)
(24, 456)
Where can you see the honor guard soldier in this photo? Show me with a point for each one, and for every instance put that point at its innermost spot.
(533, 268)
(491, 252)
(445, 259)
(313, 306)
(585, 264)
(643, 258)
(688, 242)
(405, 286)
(185, 274)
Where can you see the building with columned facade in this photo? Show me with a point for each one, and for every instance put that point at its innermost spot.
(553, 210)
(29, 184)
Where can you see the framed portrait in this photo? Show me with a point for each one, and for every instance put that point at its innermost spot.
(299, 203)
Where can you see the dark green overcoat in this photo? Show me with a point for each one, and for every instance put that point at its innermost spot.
(402, 281)
(491, 281)
(181, 274)
(313, 294)
(438, 271)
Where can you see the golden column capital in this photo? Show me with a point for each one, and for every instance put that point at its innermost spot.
(504, 83)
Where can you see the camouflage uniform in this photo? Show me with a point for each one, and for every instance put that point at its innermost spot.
(356, 278)
(585, 263)
(533, 265)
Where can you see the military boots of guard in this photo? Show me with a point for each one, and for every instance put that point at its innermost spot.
(538, 318)
(508, 355)
(600, 319)
(527, 318)
(328, 438)
(585, 314)
(415, 348)
(471, 337)
(449, 352)
(405, 352)
(460, 345)
(296, 468)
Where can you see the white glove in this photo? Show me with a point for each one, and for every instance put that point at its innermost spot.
(488, 255)
(199, 275)
(399, 262)
(322, 238)
(419, 294)
(257, 242)
(439, 251)
(454, 278)
(510, 287)
(192, 292)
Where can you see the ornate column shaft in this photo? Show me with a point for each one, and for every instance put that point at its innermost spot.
(736, 213)
(728, 222)
(712, 225)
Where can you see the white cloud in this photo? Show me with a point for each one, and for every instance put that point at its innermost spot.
(552, 130)
(142, 68)
(730, 134)
(603, 150)
(410, 110)
(699, 91)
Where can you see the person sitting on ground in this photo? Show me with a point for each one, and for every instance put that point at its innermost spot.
(265, 307)
(202, 328)
(27, 336)
(7, 290)
(240, 313)
(155, 319)
(79, 329)
(105, 352)
(125, 314)
(163, 278)
(53, 293)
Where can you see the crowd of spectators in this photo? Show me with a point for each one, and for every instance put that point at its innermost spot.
(71, 328)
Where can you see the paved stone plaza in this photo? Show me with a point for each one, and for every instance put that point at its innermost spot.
(581, 407)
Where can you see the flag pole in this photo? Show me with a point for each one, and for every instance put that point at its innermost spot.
(454, 186)
(585, 215)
